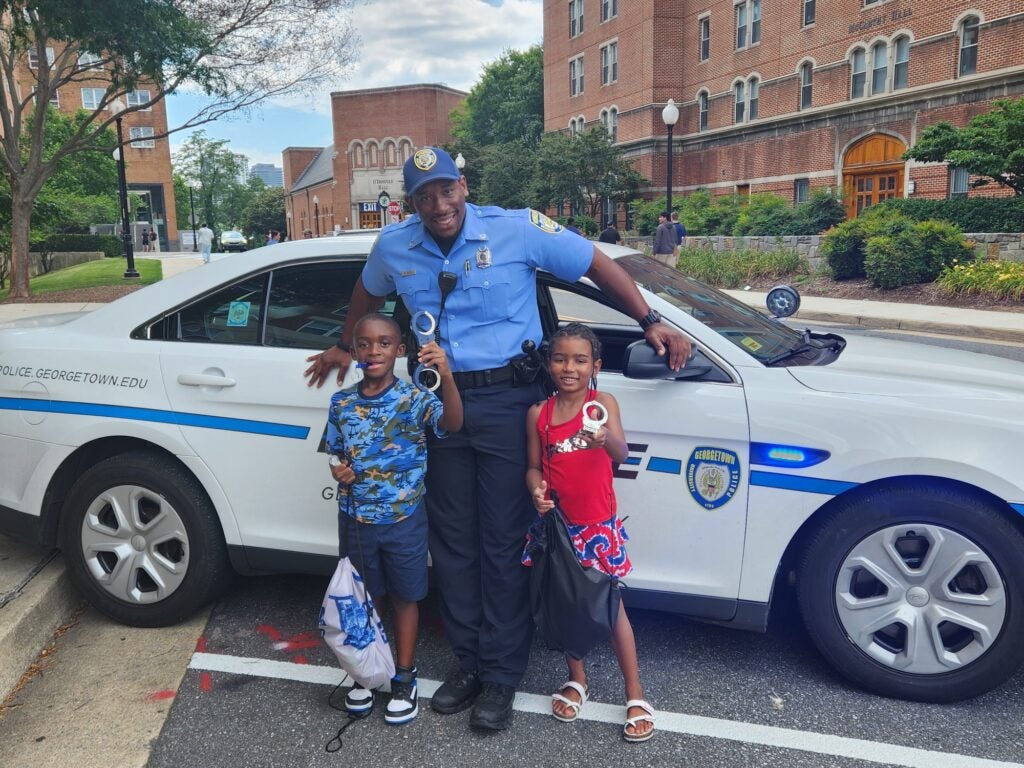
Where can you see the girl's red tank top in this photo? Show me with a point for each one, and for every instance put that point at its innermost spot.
(580, 476)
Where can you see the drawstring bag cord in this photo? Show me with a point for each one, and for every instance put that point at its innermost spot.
(336, 743)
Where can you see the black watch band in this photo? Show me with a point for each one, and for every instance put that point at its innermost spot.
(652, 317)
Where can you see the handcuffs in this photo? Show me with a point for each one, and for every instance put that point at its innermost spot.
(591, 423)
(426, 377)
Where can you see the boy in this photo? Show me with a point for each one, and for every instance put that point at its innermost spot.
(376, 435)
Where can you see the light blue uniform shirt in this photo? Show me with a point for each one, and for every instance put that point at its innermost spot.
(493, 308)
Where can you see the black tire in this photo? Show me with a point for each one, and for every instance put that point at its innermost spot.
(916, 528)
(161, 558)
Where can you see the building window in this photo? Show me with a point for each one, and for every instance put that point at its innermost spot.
(754, 91)
(405, 150)
(806, 85)
(607, 212)
(859, 68)
(137, 99)
(55, 99)
(741, 26)
(33, 57)
(88, 60)
(609, 63)
(141, 136)
(755, 22)
(740, 98)
(581, 125)
(92, 98)
(705, 38)
(613, 124)
(575, 18)
(390, 155)
(609, 9)
(371, 156)
(808, 12)
(969, 46)
(801, 190)
(576, 76)
(703, 104)
(901, 65)
(958, 182)
(358, 158)
(879, 67)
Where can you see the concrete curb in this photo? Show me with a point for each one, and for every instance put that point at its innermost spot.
(45, 600)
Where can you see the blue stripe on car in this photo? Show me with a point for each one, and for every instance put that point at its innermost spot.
(1018, 508)
(661, 464)
(201, 420)
(797, 483)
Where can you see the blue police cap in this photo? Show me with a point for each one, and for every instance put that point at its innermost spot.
(426, 165)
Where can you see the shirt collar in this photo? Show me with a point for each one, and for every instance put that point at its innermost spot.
(472, 229)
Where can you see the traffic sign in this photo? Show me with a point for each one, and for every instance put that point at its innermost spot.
(395, 211)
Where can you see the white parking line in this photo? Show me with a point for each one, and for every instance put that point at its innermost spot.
(674, 722)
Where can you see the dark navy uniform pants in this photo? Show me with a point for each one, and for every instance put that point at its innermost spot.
(479, 511)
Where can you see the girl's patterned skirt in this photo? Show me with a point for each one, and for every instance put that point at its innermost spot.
(598, 545)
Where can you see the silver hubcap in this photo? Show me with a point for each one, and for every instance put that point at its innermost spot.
(920, 598)
(135, 544)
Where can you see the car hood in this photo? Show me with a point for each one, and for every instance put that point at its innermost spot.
(871, 366)
(41, 321)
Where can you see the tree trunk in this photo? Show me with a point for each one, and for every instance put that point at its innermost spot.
(21, 222)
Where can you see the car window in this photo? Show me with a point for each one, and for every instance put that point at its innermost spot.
(229, 316)
(309, 304)
(573, 308)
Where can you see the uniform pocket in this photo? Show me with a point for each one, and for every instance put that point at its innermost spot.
(491, 291)
(414, 290)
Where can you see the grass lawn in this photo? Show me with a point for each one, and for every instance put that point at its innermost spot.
(92, 274)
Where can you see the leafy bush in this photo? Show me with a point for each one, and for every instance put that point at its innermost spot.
(970, 214)
(586, 224)
(891, 261)
(823, 211)
(844, 245)
(1002, 279)
(941, 245)
(109, 244)
(765, 214)
(731, 269)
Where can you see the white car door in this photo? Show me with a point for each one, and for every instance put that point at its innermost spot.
(684, 487)
(235, 375)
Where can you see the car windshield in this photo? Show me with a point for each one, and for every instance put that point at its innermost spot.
(756, 334)
(232, 233)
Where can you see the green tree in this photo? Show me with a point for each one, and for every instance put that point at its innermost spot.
(583, 170)
(236, 54)
(213, 170)
(263, 213)
(990, 146)
(507, 103)
(506, 175)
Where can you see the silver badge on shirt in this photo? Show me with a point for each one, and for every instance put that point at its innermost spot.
(483, 257)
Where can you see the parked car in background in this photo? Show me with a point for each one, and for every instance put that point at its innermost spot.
(169, 437)
(233, 240)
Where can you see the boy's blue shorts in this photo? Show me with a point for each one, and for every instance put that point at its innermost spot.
(394, 556)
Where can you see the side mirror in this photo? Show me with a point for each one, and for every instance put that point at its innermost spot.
(641, 362)
(782, 301)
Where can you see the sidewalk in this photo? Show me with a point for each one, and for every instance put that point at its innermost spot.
(36, 596)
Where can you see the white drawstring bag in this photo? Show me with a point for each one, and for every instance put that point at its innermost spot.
(351, 627)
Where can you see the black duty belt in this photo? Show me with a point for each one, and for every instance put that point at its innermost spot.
(474, 379)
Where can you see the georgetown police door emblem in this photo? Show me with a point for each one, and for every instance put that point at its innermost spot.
(712, 475)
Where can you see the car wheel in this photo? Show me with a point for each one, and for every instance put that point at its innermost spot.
(142, 541)
(917, 593)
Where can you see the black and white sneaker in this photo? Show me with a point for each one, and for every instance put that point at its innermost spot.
(359, 699)
(404, 704)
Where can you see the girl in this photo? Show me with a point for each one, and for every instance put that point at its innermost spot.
(577, 466)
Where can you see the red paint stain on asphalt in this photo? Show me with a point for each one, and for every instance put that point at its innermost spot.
(162, 695)
(205, 682)
(269, 631)
(201, 644)
(300, 659)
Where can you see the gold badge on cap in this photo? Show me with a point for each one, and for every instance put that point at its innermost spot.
(424, 159)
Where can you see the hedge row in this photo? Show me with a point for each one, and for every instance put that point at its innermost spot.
(970, 214)
(109, 244)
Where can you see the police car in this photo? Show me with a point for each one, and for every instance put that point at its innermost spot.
(168, 439)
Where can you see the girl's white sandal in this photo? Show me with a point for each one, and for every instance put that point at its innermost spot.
(575, 706)
(631, 722)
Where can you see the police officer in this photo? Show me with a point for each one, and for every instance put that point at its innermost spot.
(477, 504)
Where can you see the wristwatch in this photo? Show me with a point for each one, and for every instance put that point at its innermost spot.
(334, 460)
(652, 317)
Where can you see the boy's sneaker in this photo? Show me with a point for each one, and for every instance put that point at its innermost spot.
(404, 704)
(359, 699)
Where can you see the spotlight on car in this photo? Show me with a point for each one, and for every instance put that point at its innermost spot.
(782, 301)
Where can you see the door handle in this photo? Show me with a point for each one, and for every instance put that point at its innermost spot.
(204, 380)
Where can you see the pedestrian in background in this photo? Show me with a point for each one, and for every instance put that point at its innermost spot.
(665, 240)
(570, 224)
(610, 235)
(205, 238)
(680, 234)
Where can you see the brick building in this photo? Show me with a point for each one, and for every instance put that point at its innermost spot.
(782, 96)
(375, 130)
(147, 159)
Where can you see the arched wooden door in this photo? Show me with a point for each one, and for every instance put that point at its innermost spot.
(872, 172)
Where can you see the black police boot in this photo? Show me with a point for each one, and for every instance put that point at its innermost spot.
(493, 708)
(457, 693)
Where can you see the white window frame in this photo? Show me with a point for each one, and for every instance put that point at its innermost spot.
(801, 186)
(755, 21)
(897, 62)
(862, 54)
(613, 124)
(806, 99)
(609, 10)
(740, 40)
(753, 99)
(808, 12)
(576, 81)
(141, 137)
(610, 62)
(958, 182)
(703, 108)
(33, 57)
(704, 38)
(575, 18)
(747, 15)
(879, 68)
(134, 99)
(972, 23)
(88, 60)
(739, 96)
(55, 99)
(93, 97)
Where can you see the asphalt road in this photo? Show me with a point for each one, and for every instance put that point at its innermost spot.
(725, 698)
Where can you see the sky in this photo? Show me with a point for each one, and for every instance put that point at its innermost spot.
(401, 42)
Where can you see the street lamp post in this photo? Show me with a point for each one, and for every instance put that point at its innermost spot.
(316, 213)
(670, 114)
(192, 207)
(117, 107)
(460, 162)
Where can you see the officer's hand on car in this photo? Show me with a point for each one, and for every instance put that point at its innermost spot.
(661, 335)
(324, 362)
